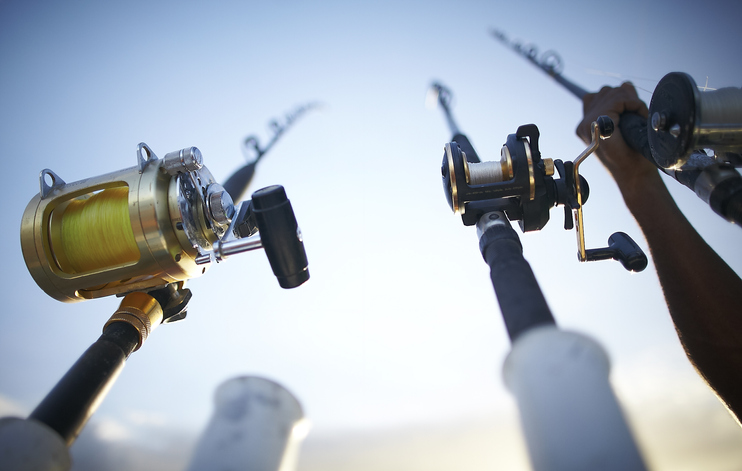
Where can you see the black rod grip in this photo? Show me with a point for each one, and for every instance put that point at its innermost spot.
(522, 303)
(634, 131)
(726, 196)
(733, 210)
(69, 405)
(280, 236)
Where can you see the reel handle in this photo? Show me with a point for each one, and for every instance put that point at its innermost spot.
(621, 247)
(280, 236)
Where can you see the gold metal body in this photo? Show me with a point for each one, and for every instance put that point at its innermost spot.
(166, 253)
(141, 311)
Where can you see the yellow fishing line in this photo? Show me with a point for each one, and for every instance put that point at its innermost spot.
(96, 231)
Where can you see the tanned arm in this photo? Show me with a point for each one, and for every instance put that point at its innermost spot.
(703, 294)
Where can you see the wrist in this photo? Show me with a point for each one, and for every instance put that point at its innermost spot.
(645, 194)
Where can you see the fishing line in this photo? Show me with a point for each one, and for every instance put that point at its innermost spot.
(621, 77)
(97, 233)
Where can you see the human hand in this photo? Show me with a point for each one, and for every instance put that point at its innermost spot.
(629, 168)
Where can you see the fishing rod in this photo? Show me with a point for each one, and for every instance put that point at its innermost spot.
(570, 416)
(683, 122)
(238, 182)
(550, 62)
(138, 233)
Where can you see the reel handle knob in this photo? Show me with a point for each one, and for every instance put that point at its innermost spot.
(280, 236)
(621, 247)
(605, 126)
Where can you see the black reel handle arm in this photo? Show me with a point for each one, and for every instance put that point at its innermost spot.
(266, 221)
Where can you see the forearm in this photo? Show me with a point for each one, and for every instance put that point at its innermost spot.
(703, 294)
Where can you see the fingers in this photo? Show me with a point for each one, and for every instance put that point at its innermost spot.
(620, 160)
(587, 101)
(611, 102)
(632, 102)
(605, 93)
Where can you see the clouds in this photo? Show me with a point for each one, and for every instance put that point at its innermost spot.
(9, 407)
(141, 441)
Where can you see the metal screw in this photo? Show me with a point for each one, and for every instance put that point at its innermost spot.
(675, 130)
(221, 206)
(659, 121)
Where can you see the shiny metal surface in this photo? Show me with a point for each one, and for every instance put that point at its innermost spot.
(183, 161)
(141, 311)
(170, 223)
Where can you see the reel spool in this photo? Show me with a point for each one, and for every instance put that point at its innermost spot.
(520, 183)
(160, 222)
(683, 119)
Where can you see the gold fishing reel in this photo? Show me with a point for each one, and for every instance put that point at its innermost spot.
(132, 230)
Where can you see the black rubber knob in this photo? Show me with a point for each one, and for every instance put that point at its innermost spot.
(621, 247)
(605, 126)
(280, 236)
(628, 252)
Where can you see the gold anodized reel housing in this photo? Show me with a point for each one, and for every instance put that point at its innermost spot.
(130, 230)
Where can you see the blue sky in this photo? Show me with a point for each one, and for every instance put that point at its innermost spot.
(394, 347)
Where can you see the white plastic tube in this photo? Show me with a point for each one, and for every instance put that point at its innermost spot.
(257, 425)
(570, 416)
(28, 445)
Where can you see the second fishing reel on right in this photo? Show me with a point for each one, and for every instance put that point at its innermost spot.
(522, 185)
